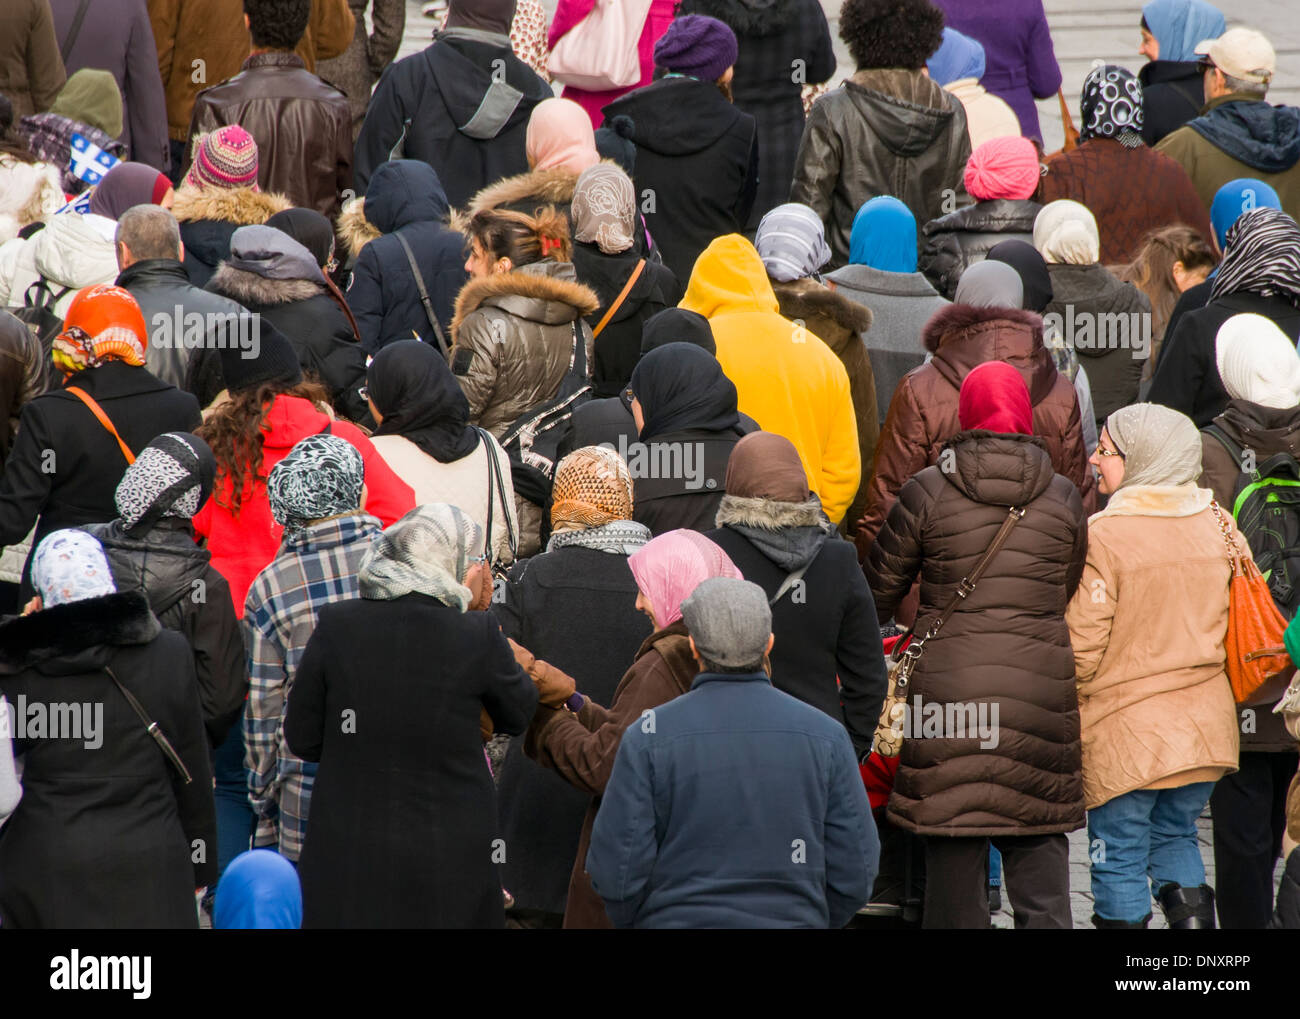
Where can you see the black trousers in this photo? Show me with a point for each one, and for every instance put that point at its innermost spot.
(1035, 875)
(1248, 808)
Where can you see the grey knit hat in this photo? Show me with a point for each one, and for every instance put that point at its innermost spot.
(729, 620)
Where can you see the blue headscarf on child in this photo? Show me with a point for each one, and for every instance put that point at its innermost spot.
(884, 236)
(258, 891)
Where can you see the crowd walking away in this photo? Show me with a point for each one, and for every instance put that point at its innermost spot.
(610, 464)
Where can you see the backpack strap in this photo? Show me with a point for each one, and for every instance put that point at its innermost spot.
(74, 30)
(98, 411)
(424, 294)
(618, 301)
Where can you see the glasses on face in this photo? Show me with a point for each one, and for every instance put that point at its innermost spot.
(364, 392)
(1103, 451)
(628, 396)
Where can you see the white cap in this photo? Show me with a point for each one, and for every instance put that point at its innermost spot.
(1242, 53)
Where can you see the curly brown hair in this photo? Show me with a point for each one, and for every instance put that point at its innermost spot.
(236, 431)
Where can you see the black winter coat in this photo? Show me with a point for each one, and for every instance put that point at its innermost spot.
(442, 106)
(955, 242)
(1173, 92)
(783, 46)
(618, 347)
(1006, 645)
(105, 836)
(552, 604)
(1191, 299)
(64, 466)
(825, 626)
(1187, 375)
(697, 155)
(189, 596)
(403, 819)
(678, 478)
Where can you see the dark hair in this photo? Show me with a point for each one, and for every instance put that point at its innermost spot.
(520, 238)
(1152, 271)
(277, 24)
(1143, 23)
(730, 670)
(891, 33)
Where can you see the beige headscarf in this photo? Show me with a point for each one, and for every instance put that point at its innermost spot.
(1065, 232)
(1160, 445)
(604, 208)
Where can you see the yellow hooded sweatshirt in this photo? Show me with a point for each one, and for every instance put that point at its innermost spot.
(787, 379)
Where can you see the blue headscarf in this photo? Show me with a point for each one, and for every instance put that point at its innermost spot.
(258, 891)
(1234, 198)
(958, 57)
(884, 236)
(1179, 25)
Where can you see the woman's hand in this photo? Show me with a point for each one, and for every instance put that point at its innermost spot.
(32, 606)
(553, 686)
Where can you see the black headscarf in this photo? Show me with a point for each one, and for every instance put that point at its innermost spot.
(680, 386)
(309, 228)
(677, 325)
(1031, 269)
(420, 400)
(484, 15)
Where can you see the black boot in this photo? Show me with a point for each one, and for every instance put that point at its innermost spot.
(1188, 909)
(1102, 924)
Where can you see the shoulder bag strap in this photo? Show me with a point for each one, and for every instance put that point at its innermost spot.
(98, 411)
(74, 30)
(618, 301)
(424, 293)
(497, 487)
(152, 728)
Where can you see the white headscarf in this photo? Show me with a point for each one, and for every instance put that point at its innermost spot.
(429, 551)
(69, 566)
(1160, 445)
(1258, 362)
(1065, 232)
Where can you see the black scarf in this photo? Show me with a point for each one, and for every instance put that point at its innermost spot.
(415, 391)
(681, 386)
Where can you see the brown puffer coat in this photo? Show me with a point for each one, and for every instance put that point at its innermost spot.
(512, 341)
(839, 323)
(923, 412)
(1007, 645)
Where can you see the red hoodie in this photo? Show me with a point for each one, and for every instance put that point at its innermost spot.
(243, 546)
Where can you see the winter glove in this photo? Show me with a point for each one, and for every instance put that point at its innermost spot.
(553, 686)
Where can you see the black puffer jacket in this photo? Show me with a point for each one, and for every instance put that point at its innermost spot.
(1007, 645)
(955, 242)
(188, 596)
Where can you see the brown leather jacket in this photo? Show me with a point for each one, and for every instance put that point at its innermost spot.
(302, 126)
(923, 412)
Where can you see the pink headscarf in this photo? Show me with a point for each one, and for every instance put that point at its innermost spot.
(668, 568)
(560, 136)
(1004, 167)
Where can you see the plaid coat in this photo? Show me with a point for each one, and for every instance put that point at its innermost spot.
(314, 568)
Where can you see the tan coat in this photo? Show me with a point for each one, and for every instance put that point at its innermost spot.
(1147, 625)
(987, 116)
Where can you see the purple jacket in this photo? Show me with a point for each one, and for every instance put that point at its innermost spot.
(1019, 61)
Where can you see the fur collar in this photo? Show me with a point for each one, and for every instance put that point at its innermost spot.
(768, 513)
(958, 318)
(248, 288)
(520, 283)
(546, 187)
(228, 205)
(808, 299)
(1157, 501)
(117, 619)
(355, 230)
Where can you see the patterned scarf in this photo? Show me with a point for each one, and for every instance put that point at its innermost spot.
(68, 566)
(604, 208)
(592, 487)
(1262, 257)
(321, 477)
(75, 349)
(171, 477)
(1111, 106)
(621, 537)
(428, 551)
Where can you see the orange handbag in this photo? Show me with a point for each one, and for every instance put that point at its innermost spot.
(1258, 665)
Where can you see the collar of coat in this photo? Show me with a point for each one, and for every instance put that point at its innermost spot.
(901, 85)
(1157, 501)
(120, 619)
(243, 206)
(331, 532)
(768, 514)
(248, 288)
(273, 58)
(948, 325)
(524, 282)
(807, 299)
(675, 649)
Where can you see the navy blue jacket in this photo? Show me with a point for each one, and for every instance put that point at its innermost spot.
(406, 196)
(734, 805)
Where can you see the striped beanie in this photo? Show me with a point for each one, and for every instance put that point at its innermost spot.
(224, 158)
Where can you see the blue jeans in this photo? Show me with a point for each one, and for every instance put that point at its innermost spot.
(1142, 841)
(995, 867)
(234, 813)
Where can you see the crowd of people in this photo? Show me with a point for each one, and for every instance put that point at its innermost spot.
(601, 471)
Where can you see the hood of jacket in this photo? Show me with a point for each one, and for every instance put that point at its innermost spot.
(482, 104)
(243, 206)
(289, 420)
(545, 292)
(907, 110)
(998, 215)
(790, 534)
(1165, 72)
(267, 267)
(404, 191)
(164, 562)
(250, 289)
(355, 230)
(746, 17)
(676, 116)
(962, 336)
(729, 278)
(1096, 290)
(77, 636)
(1266, 430)
(608, 274)
(544, 187)
(999, 469)
(75, 251)
(818, 305)
(1262, 136)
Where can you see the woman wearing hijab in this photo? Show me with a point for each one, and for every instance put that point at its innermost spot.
(985, 323)
(606, 258)
(151, 549)
(958, 65)
(1030, 793)
(687, 423)
(1002, 176)
(1259, 274)
(416, 852)
(258, 892)
(1173, 87)
(881, 275)
(127, 185)
(577, 738)
(1158, 719)
(792, 244)
(551, 605)
(1105, 321)
(1131, 189)
(106, 831)
(425, 436)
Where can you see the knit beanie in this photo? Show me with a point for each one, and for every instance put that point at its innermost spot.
(729, 620)
(1258, 362)
(224, 158)
(270, 359)
(699, 46)
(1002, 168)
(92, 97)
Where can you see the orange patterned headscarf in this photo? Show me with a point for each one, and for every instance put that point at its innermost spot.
(592, 487)
(103, 323)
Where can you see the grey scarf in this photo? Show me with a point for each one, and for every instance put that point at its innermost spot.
(621, 537)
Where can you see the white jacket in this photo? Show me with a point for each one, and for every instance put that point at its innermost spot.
(73, 251)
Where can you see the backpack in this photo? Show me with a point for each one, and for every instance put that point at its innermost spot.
(38, 314)
(1266, 507)
(533, 440)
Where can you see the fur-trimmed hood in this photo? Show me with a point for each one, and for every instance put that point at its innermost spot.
(65, 631)
(790, 534)
(962, 336)
(545, 187)
(249, 289)
(228, 205)
(817, 305)
(355, 230)
(768, 513)
(531, 292)
(948, 325)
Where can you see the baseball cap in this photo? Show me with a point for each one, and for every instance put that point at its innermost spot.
(1242, 53)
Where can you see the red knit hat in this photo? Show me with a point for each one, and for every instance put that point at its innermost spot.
(1004, 167)
(224, 158)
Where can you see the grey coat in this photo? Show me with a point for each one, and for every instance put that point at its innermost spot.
(356, 70)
